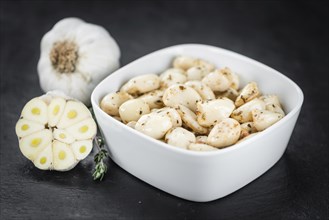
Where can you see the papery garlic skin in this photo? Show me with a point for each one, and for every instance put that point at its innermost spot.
(75, 57)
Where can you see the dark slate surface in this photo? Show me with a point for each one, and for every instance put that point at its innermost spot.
(290, 37)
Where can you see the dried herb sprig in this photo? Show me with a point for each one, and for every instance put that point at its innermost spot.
(100, 167)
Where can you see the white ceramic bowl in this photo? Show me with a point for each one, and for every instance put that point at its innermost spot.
(199, 176)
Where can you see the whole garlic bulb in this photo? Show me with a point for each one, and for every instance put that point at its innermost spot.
(75, 57)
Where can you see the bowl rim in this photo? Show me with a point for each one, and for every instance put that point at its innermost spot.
(225, 150)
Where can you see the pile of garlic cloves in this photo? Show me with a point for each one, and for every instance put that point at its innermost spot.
(193, 105)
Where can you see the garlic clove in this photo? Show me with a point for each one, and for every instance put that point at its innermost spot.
(154, 125)
(81, 149)
(34, 143)
(196, 73)
(180, 94)
(248, 93)
(201, 139)
(232, 77)
(204, 64)
(44, 160)
(141, 84)
(26, 127)
(73, 113)
(171, 77)
(186, 62)
(263, 118)
(217, 81)
(63, 157)
(247, 137)
(229, 93)
(55, 110)
(183, 62)
(176, 120)
(153, 98)
(35, 110)
(225, 133)
(190, 119)
(247, 129)
(85, 129)
(63, 136)
(200, 147)
(272, 103)
(243, 113)
(204, 91)
(210, 112)
(132, 124)
(112, 101)
(117, 118)
(179, 137)
(133, 109)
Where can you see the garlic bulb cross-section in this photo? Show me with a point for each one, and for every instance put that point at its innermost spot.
(75, 57)
(55, 132)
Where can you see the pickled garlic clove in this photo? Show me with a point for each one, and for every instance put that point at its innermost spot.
(154, 125)
(225, 133)
(180, 94)
(190, 120)
(263, 118)
(248, 93)
(133, 109)
(179, 137)
(201, 147)
(112, 101)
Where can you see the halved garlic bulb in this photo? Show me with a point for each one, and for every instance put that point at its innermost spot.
(55, 132)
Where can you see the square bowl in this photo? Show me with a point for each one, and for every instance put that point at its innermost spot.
(199, 176)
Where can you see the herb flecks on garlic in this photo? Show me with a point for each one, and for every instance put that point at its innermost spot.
(64, 56)
(75, 57)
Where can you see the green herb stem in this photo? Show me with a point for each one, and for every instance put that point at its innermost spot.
(100, 167)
